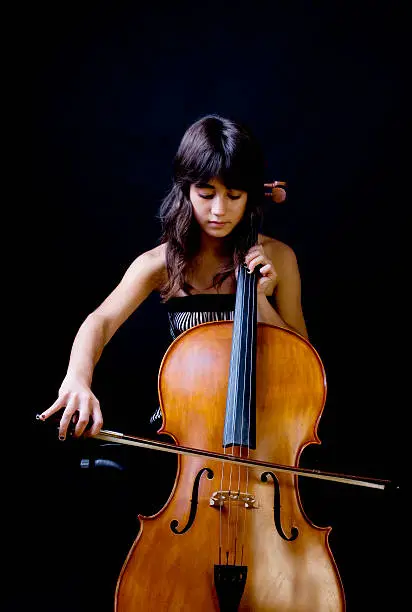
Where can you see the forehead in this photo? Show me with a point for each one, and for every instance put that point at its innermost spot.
(213, 183)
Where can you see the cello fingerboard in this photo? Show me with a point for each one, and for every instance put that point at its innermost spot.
(240, 416)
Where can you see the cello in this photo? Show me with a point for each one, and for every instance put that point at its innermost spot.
(235, 517)
(233, 534)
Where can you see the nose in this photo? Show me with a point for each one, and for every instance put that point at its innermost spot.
(218, 207)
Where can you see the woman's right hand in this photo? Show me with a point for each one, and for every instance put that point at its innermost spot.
(80, 407)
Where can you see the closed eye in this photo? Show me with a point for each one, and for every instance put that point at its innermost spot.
(209, 197)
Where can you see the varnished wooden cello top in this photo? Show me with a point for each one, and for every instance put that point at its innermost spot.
(231, 537)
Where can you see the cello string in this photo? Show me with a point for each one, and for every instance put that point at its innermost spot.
(239, 534)
(251, 319)
(239, 537)
(237, 331)
(248, 286)
(235, 373)
(251, 310)
(246, 289)
(242, 334)
(249, 303)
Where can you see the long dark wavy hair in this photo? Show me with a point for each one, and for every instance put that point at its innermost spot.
(213, 147)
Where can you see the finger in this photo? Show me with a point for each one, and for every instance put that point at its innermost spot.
(265, 280)
(85, 410)
(67, 415)
(260, 259)
(267, 270)
(97, 421)
(58, 405)
(256, 250)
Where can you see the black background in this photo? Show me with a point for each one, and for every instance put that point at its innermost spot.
(113, 88)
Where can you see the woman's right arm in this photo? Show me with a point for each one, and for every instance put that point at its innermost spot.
(144, 275)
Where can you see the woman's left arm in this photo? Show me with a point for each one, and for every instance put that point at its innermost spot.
(280, 283)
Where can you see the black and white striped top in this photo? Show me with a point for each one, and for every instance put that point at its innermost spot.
(188, 311)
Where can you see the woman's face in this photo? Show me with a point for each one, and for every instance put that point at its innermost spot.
(216, 208)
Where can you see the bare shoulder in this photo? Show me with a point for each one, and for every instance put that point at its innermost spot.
(281, 253)
(156, 256)
(154, 263)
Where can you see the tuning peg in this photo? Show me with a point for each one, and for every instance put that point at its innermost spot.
(277, 193)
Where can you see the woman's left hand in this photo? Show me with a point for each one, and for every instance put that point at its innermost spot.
(268, 277)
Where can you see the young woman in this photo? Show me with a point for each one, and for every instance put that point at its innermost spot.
(206, 218)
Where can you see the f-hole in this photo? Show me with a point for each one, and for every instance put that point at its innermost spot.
(276, 508)
(193, 503)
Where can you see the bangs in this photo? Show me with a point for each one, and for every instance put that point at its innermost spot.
(217, 166)
(233, 171)
(218, 148)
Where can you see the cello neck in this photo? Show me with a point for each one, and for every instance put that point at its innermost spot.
(240, 416)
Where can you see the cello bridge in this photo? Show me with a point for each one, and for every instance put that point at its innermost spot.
(220, 498)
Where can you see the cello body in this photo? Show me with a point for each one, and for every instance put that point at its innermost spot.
(243, 518)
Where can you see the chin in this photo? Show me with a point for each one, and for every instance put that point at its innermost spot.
(218, 232)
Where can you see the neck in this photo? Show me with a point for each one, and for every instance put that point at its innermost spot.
(213, 247)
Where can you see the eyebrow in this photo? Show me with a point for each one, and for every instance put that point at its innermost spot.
(204, 186)
(208, 186)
